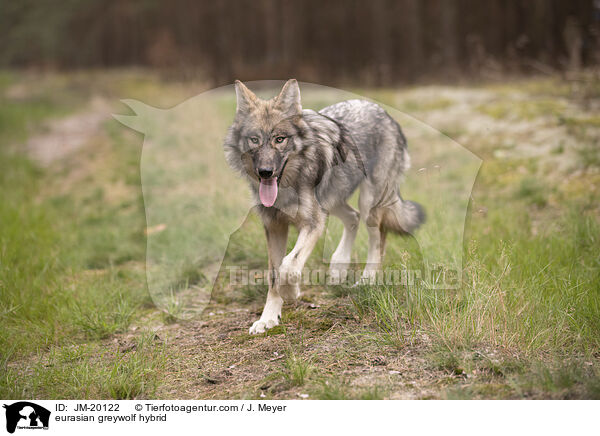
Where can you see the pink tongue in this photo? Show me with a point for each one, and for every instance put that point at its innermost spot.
(267, 191)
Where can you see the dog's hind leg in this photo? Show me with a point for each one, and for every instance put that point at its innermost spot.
(371, 214)
(340, 260)
(277, 233)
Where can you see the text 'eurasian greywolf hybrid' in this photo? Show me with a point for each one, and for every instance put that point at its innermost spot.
(303, 165)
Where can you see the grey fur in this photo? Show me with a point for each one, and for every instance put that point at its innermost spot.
(323, 159)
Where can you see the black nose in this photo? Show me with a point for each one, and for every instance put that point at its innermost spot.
(265, 173)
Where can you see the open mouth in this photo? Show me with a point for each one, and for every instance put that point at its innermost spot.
(269, 188)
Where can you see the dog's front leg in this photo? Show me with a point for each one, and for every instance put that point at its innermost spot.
(277, 233)
(290, 271)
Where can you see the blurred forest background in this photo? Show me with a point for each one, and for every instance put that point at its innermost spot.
(374, 43)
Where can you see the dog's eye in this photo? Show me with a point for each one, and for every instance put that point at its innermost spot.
(254, 140)
(279, 139)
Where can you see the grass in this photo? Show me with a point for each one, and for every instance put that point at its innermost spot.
(76, 312)
(61, 271)
(297, 369)
(506, 299)
(555, 380)
(90, 371)
(585, 130)
(99, 321)
(531, 190)
(388, 307)
(523, 110)
(336, 389)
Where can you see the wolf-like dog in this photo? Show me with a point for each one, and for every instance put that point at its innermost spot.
(303, 165)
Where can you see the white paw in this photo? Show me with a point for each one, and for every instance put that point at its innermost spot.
(263, 325)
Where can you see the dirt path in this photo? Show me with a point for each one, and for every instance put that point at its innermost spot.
(65, 136)
(216, 358)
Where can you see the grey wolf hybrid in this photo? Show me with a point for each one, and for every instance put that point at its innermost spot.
(303, 165)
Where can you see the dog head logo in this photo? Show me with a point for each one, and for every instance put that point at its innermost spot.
(194, 202)
(26, 415)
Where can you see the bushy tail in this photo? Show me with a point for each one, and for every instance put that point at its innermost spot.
(403, 217)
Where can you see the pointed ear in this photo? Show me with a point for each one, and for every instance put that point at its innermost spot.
(288, 100)
(246, 99)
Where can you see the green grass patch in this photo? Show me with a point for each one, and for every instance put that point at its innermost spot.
(61, 256)
(89, 372)
(534, 292)
(297, 369)
(570, 379)
(341, 389)
(533, 191)
(388, 306)
(523, 109)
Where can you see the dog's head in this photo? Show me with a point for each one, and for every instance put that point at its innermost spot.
(264, 135)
